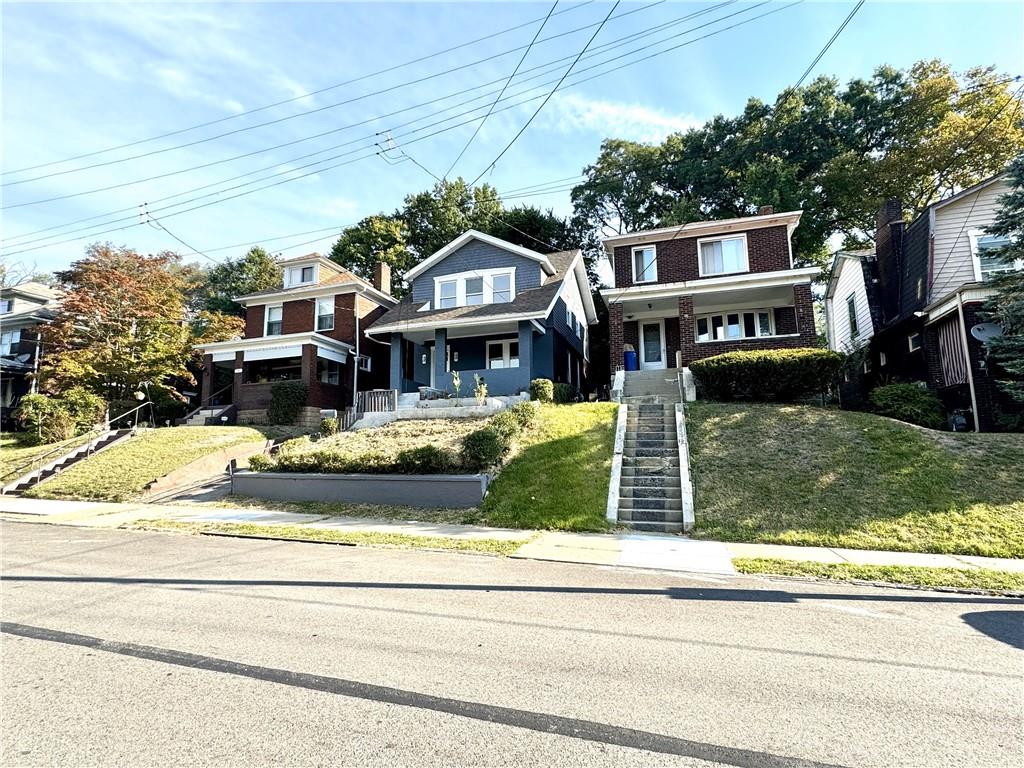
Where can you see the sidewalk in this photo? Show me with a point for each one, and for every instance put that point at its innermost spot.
(635, 550)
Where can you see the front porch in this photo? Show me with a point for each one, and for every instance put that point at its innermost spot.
(504, 354)
(671, 331)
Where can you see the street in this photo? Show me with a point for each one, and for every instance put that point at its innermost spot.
(137, 648)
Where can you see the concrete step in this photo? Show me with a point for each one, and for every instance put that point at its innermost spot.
(652, 470)
(650, 453)
(647, 492)
(651, 516)
(640, 443)
(630, 503)
(652, 462)
(647, 435)
(666, 480)
(645, 527)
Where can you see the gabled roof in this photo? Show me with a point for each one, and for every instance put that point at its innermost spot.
(32, 289)
(472, 234)
(856, 255)
(338, 276)
(968, 191)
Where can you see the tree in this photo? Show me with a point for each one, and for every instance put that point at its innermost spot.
(437, 217)
(378, 238)
(532, 228)
(120, 326)
(218, 286)
(1007, 306)
(834, 152)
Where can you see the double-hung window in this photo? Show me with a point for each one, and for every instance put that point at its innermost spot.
(328, 371)
(645, 265)
(503, 354)
(851, 313)
(723, 255)
(988, 260)
(301, 275)
(274, 319)
(501, 287)
(325, 314)
(6, 305)
(447, 294)
(730, 326)
(8, 341)
(474, 291)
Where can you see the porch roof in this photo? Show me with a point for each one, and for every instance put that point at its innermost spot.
(711, 285)
(285, 345)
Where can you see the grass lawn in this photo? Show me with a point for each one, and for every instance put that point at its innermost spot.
(910, 575)
(804, 475)
(358, 538)
(392, 438)
(558, 478)
(122, 472)
(15, 453)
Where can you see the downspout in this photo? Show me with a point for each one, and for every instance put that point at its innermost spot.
(34, 386)
(967, 358)
(355, 368)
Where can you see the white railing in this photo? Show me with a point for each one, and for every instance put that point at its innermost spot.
(377, 401)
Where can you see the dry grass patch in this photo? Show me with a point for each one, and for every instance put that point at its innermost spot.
(392, 438)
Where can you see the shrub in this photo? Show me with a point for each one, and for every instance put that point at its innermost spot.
(86, 408)
(261, 463)
(542, 390)
(775, 374)
(484, 448)
(54, 419)
(909, 402)
(526, 413)
(286, 400)
(328, 427)
(564, 393)
(426, 460)
(506, 424)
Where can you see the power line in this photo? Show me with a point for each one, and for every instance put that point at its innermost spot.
(828, 45)
(316, 110)
(546, 98)
(295, 98)
(502, 92)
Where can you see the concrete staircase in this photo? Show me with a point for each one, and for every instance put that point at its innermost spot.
(58, 464)
(650, 492)
(208, 415)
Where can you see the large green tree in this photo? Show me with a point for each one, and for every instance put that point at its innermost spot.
(436, 217)
(376, 239)
(834, 152)
(1007, 306)
(216, 288)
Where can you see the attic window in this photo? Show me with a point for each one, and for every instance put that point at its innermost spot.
(301, 275)
(467, 289)
(6, 305)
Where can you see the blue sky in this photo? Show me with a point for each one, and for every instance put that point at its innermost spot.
(81, 77)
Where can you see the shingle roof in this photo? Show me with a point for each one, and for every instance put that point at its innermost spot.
(528, 302)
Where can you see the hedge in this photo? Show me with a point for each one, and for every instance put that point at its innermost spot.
(912, 403)
(286, 400)
(542, 390)
(770, 375)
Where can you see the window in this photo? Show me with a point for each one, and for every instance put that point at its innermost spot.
(325, 314)
(851, 313)
(579, 329)
(274, 315)
(474, 291)
(328, 371)
(882, 359)
(914, 342)
(920, 288)
(723, 256)
(301, 275)
(987, 259)
(730, 326)
(570, 319)
(8, 341)
(502, 288)
(365, 363)
(503, 354)
(6, 306)
(266, 371)
(645, 265)
(447, 294)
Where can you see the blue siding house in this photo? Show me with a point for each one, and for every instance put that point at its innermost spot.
(485, 306)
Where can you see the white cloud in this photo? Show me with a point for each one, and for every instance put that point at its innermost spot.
(574, 112)
(293, 88)
(234, 106)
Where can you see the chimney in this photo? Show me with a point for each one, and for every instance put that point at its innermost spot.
(766, 210)
(891, 210)
(382, 277)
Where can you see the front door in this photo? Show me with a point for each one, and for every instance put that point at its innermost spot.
(652, 345)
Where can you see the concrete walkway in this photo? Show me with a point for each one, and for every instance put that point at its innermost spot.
(637, 550)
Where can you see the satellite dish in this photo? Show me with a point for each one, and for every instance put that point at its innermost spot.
(986, 331)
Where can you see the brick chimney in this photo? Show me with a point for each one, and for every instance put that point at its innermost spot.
(766, 210)
(382, 277)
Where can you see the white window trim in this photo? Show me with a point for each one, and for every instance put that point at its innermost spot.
(291, 283)
(975, 235)
(365, 363)
(319, 314)
(851, 315)
(9, 304)
(724, 315)
(746, 254)
(505, 345)
(487, 275)
(653, 278)
(266, 319)
(13, 337)
(910, 342)
(882, 360)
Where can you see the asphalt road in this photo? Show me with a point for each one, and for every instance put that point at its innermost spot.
(130, 648)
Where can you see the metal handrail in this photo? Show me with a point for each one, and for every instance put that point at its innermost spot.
(209, 397)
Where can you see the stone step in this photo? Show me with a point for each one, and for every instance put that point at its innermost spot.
(651, 516)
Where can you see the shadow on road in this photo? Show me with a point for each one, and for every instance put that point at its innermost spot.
(1004, 626)
(703, 594)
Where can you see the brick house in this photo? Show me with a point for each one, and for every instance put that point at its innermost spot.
(708, 287)
(313, 330)
(24, 309)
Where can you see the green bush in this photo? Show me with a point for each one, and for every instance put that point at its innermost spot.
(484, 448)
(54, 419)
(527, 413)
(86, 408)
(261, 463)
(909, 402)
(506, 424)
(328, 427)
(286, 400)
(542, 390)
(426, 460)
(564, 393)
(767, 375)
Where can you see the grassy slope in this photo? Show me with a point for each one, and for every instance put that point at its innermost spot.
(559, 477)
(811, 476)
(892, 574)
(14, 453)
(121, 472)
(393, 438)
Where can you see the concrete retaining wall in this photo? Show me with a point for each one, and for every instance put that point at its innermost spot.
(205, 468)
(449, 491)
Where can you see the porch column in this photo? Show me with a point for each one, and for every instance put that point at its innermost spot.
(207, 383)
(803, 307)
(615, 332)
(236, 387)
(441, 377)
(526, 352)
(687, 331)
(396, 362)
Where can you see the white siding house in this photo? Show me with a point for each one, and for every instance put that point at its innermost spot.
(958, 238)
(847, 313)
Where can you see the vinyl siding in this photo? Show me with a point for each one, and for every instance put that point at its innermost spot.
(477, 255)
(849, 281)
(573, 298)
(954, 262)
